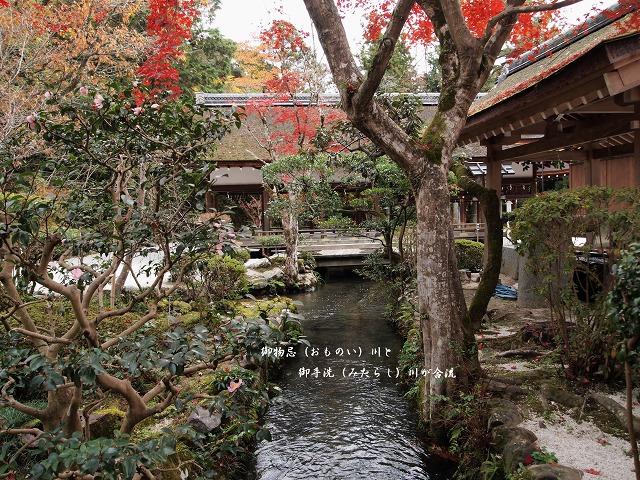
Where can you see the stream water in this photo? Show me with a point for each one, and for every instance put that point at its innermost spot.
(355, 424)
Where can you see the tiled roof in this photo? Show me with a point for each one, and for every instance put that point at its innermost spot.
(534, 66)
(301, 99)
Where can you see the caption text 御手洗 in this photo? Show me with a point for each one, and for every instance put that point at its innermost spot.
(313, 352)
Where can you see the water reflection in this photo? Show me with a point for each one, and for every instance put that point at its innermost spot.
(343, 416)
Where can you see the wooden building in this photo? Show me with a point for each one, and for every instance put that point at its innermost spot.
(576, 99)
(574, 102)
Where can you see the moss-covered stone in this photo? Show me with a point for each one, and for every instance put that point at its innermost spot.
(105, 421)
(553, 472)
(504, 434)
(561, 396)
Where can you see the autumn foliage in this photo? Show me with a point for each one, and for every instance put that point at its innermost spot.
(289, 121)
(530, 30)
(63, 44)
(169, 24)
(290, 129)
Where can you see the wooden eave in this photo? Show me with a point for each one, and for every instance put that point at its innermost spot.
(559, 108)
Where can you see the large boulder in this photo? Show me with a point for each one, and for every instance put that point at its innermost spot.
(503, 412)
(273, 274)
(255, 263)
(518, 450)
(204, 421)
(504, 434)
(561, 396)
(256, 279)
(103, 423)
(308, 282)
(553, 472)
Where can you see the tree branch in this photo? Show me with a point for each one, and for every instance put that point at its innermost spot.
(516, 9)
(9, 261)
(335, 44)
(385, 52)
(448, 20)
(9, 401)
(45, 338)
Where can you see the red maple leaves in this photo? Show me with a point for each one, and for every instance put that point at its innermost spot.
(531, 29)
(290, 122)
(291, 128)
(169, 23)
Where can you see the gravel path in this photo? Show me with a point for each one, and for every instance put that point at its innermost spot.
(585, 447)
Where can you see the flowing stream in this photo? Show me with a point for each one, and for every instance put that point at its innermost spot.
(355, 424)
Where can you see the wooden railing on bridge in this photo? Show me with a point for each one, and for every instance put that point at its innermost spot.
(469, 231)
(309, 238)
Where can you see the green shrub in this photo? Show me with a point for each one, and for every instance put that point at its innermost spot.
(217, 278)
(623, 303)
(270, 240)
(469, 254)
(575, 280)
(240, 253)
(307, 259)
(336, 223)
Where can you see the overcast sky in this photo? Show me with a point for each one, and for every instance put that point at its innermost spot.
(241, 20)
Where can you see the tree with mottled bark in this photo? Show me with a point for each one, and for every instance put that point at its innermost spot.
(300, 191)
(469, 47)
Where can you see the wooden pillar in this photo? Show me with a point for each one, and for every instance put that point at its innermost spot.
(594, 170)
(494, 170)
(588, 168)
(636, 146)
(266, 194)
(493, 180)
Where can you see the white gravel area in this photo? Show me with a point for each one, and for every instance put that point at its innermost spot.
(517, 366)
(585, 447)
(621, 398)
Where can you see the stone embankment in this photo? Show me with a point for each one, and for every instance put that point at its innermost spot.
(537, 412)
(265, 272)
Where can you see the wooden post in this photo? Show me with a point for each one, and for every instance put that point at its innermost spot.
(266, 223)
(494, 170)
(636, 146)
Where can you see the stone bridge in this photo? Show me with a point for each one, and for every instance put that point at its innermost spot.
(337, 247)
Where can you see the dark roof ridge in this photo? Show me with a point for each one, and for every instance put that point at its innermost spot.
(606, 17)
(299, 99)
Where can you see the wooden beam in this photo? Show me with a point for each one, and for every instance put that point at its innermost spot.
(623, 79)
(531, 108)
(579, 137)
(605, 105)
(553, 156)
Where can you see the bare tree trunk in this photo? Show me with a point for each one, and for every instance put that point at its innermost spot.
(490, 203)
(141, 194)
(290, 232)
(122, 277)
(60, 411)
(440, 296)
